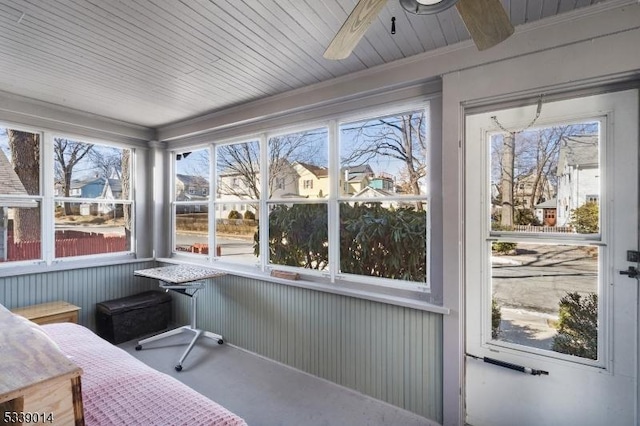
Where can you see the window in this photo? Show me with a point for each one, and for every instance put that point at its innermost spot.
(533, 279)
(91, 210)
(191, 210)
(298, 229)
(20, 196)
(383, 217)
(346, 205)
(238, 177)
(93, 214)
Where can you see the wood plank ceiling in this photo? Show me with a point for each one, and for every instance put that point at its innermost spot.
(154, 62)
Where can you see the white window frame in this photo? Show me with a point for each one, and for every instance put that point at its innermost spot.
(331, 276)
(48, 198)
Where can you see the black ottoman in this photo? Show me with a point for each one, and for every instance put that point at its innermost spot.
(120, 320)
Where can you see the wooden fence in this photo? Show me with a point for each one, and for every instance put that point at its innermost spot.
(81, 245)
(531, 228)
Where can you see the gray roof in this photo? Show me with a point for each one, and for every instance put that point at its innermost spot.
(10, 183)
(189, 180)
(549, 204)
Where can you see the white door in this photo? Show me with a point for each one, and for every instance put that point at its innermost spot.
(551, 209)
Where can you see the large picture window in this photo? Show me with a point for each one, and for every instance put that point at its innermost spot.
(345, 201)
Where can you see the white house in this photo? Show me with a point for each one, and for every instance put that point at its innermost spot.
(578, 176)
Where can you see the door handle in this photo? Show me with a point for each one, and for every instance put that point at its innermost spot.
(632, 272)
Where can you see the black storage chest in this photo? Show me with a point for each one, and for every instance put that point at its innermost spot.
(120, 320)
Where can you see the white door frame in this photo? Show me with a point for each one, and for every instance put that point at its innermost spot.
(491, 389)
(488, 84)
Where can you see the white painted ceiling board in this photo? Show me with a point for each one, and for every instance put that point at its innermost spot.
(155, 62)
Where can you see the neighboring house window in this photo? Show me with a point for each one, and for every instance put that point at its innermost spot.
(91, 210)
(307, 184)
(279, 183)
(192, 190)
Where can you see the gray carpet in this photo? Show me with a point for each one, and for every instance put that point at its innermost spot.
(267, 393)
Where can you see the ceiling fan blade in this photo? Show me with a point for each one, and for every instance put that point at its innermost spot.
(353, 28)
(486, 20)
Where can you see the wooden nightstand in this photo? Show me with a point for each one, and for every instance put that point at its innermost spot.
(51, 312)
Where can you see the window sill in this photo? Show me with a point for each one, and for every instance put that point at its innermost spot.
(411, 299)
(26, 268)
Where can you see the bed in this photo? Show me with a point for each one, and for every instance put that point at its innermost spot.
(118, 389)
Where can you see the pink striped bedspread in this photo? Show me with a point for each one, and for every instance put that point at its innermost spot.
(118, 389)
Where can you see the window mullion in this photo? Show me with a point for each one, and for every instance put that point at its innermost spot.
(334, 191)
(211, 203)
(47, 190)
(264, 195)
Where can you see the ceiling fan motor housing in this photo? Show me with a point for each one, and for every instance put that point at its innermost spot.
(418, 8)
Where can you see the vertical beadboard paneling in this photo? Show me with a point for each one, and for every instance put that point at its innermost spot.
(83, 287)
(388, 352)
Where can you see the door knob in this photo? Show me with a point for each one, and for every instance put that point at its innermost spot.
(632, 272)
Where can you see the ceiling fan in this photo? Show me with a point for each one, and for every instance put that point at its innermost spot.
(486, 21)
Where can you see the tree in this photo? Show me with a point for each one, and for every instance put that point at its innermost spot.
(401, 138)
(68, 154)
(578, 325)
(586, 218)
(529, 156)
(241, 161)
(506, 179)
(25, 155)
(107, 162)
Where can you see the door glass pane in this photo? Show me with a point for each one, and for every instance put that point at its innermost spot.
(546, 181)
(545, 296)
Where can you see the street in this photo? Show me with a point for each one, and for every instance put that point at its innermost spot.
(528, 286)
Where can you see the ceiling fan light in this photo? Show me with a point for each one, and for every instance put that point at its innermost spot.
(426, 7)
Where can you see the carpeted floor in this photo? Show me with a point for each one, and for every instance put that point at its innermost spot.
(267, 393)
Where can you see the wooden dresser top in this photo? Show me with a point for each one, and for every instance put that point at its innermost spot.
(28, 356)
